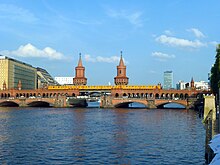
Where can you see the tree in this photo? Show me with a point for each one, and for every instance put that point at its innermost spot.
(215, 73)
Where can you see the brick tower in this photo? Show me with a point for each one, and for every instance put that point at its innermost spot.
(121, 78)
(192, 84)
(79, 78)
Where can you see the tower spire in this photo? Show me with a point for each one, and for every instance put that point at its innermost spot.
(80, 78)
(80, 60)
(121, 78)
(121, 63)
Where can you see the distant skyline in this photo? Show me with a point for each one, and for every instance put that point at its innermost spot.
(154, 36)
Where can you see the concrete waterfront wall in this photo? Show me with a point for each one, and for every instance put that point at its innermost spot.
(211, 126)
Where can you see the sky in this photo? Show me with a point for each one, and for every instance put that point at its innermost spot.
(154, 36)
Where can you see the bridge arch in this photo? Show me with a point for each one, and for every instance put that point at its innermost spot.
(9, 104)
(166, 102)
(39, 104)
(125, 103)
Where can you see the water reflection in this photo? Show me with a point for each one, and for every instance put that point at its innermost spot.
(100, 136)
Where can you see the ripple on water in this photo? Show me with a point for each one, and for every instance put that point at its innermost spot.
(100, 136)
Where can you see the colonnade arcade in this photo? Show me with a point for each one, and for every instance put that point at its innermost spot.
(157, 95)
(42, 95)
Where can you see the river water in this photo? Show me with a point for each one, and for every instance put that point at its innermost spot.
(101, 136)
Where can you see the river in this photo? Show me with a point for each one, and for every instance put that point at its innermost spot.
(101, 136)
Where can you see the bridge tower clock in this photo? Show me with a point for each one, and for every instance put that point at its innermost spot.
(80, 78)
(121, 78)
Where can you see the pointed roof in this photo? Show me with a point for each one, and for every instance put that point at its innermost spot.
(192, 80)
(121, 63)
(80, 60)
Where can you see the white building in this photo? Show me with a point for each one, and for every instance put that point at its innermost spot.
(181, 85)
(64, 80)
(202, 85)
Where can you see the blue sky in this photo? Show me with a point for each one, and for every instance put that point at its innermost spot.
(155, 36)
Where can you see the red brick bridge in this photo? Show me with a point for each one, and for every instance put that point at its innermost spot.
(151, 98)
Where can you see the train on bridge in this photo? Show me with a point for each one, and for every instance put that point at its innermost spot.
(105, 87)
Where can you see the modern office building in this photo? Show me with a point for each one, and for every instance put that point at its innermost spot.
(14, 73)
(44, 78)
(168, 80)
(64, 80)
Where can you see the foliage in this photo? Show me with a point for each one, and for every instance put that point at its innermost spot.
(215, 73)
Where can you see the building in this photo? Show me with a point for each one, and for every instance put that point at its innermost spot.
(168, 80)
(15, 74)
(44, 78)
(121, 78)
(181, 85)
(64, 80)
(80, 78)
(201, 85)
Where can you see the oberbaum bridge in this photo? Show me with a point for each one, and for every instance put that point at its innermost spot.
(119, 95)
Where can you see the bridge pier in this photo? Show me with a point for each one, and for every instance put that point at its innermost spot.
(60, 102)
(106, 102)
(151, 104)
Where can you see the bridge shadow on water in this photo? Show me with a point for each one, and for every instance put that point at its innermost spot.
(142, 106)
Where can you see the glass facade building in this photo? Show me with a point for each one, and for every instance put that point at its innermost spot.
(12, 71)
(168, 80)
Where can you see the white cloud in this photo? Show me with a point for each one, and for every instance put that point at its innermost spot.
(196, 32)
(15, 13)
(179, 42)
(29, 50)
(112, 59)
(134, 18)
(168, 32)
(162, 56)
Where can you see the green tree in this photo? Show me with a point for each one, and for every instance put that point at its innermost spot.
(215, 73)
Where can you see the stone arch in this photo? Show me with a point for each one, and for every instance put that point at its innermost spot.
(129, 95)
(157, 96)
(162, 95)
(124, 95)
(186, 96)
(177, 95)
(167, 96)
(146, 95)
(181, 96)
(116, 95)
